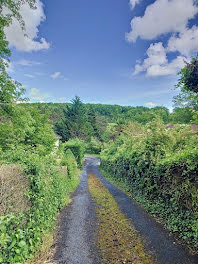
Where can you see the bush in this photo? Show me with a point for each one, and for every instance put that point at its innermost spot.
(69, 161)
(22, 232)
(77, 147)
(160, 167)
(94, 146)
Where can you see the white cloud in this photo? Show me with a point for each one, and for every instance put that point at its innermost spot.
(35, 94)
(29, 75)
(150, 104)
(133, 3)
(186, 42)
(27, 40)
(163, 16)
(27, 62)
(170, 68)
(55, 75)
(156, 63)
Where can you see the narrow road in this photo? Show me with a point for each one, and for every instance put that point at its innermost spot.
(78, 234)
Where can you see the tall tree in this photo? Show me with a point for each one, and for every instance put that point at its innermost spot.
(10, 90)
(188, 83)
(75, 122)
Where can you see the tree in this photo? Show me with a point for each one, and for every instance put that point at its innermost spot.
(182, 115)
(75, 122)
(188, 83)
(10, 90)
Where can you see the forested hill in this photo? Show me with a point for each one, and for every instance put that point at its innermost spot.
(121, 114)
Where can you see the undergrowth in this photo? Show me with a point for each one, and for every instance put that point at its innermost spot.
(159, 168)
(22, 233)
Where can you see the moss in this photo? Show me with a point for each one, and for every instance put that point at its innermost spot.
(118, 240)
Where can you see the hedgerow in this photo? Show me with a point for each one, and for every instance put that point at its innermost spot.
(77, 147)
(21, 233)
(160, 168)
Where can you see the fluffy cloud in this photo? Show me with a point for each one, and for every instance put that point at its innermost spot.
(55, 75)
(133, 3)
(163, 16)
(156, 63)
(27, 40)
(35, 94)
(170, 68)
(186, 42)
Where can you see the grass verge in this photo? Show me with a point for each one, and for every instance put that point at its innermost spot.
(119, 242)
(47, 247)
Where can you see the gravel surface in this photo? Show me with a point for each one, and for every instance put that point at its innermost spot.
(77, 236)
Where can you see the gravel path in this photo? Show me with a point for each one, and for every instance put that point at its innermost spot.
(77, 237)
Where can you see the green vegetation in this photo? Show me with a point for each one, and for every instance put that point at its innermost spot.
(158, 163)
(34, 184)
(159, 166)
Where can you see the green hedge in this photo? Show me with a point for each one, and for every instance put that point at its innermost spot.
(160, 169)
(22, 233)
(77, 147)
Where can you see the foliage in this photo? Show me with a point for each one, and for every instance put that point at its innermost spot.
(189, 76)
(21, 234)
(27, 138)
(188, 83)
(75, 122)
(94, 146)
(160, 167)
(181, 115)
(77, 147)
(69, 161)
(11, 91)
(29, 130)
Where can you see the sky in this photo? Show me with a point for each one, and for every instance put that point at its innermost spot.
(126, 52)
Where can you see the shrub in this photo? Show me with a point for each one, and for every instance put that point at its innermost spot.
(160, 168)
(77, 147)
(69, 161)
(94, 146)
(21, 233)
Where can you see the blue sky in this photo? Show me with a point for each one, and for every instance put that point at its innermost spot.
(117, 51)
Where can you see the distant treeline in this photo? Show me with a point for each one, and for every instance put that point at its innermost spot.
(84, 121)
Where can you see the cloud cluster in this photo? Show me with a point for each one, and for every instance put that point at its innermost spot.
(156, 63)
(27, 40)
(160, 18)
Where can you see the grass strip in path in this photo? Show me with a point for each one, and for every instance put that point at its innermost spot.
(118, 240)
